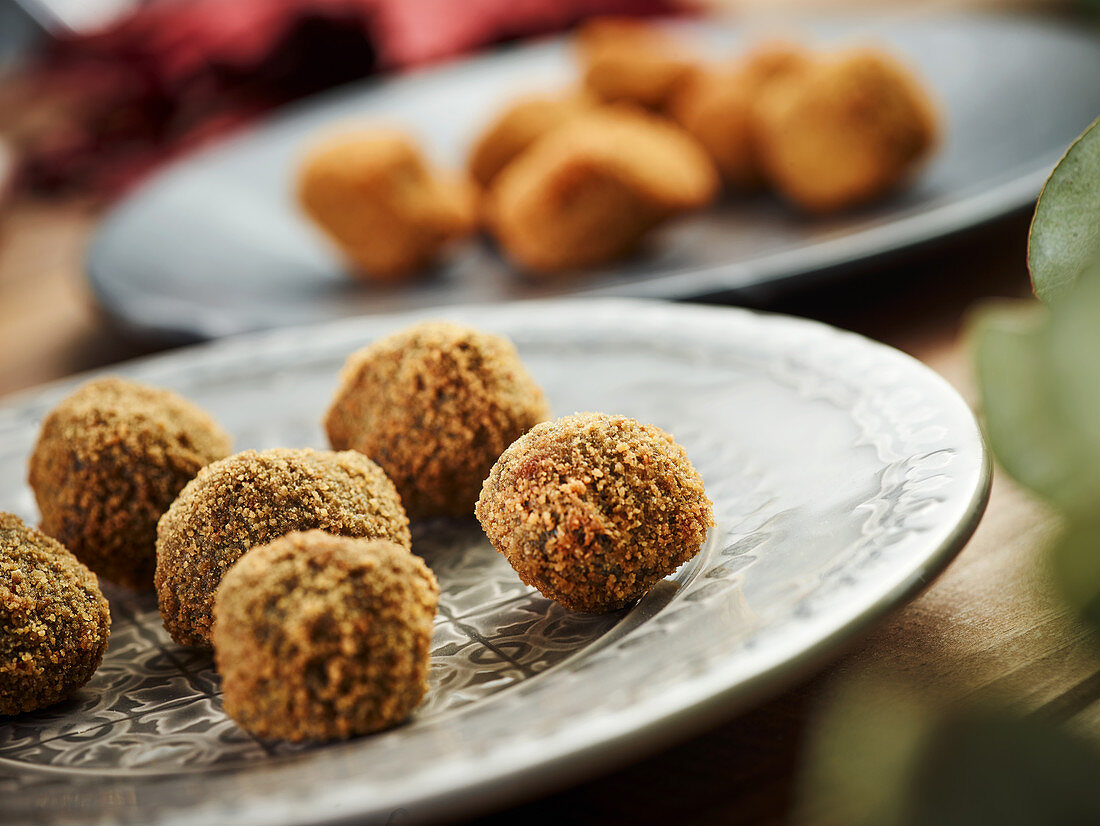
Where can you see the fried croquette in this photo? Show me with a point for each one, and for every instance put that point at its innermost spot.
(435, 405)
(846, 129)
(109, 461)
(252, 498)
(716, 106)
(588, 192)
(375, 196)
(517, 127)
(321, 637)
(593, 510)
(625, 60)
(54, 622)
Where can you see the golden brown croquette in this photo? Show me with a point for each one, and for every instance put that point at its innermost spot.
(252, 498)
(109, 461)
(589, 191)
(518, 126)
(54, 622)
(845, 130)
(626, 60)
(771, 59)
(319, 637)
(593, 510)
(435, 405)
(373, 193)
(717, 107)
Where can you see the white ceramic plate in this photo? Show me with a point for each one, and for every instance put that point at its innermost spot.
(844, 474)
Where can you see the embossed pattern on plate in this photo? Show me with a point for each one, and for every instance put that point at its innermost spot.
(843, 473)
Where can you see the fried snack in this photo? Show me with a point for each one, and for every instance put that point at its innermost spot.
(252, 498)
(320, 637)
(435, 405)
(847, 129)
(716, 106)
(625, 60)
(518, 126)
(109, 461)
(770, 59)
(54, 622)
(374, 195)
(588, 192)
(594, 510)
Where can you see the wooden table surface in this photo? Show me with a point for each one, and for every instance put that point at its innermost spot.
(987, 624)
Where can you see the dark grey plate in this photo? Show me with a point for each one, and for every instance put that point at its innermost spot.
(215, 244)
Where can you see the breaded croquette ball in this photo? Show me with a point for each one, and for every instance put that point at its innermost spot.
(716, 106)
(770, 59)
(517, 127)
(845, 130)
(594, 510)
(320, 637)
(109, 461)
(54, 622)
(374, 195)
(626, 60)
(588, 192)
(252, 498)
(435, 405)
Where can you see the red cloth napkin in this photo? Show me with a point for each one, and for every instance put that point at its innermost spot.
(177, 73)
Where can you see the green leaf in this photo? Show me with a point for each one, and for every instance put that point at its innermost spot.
(1065, 232)
(1072, 359)
(982, 767)
(1075, 565)
(861, 756)
(884, 754)
(1023, 421)
(1038, 371)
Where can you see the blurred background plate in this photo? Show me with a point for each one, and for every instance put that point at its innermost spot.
(215, 245)
(845, 475)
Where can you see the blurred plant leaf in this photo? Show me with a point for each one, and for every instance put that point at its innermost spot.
(1038, 371)
(886, 756)
(985, 767)
(861, 756)
(1065, 231)
(1021, 421)
(1075, 564)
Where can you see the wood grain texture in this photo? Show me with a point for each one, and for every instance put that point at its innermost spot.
(49, 324)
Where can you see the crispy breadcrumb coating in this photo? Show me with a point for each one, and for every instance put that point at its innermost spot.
(435, 405)
(626, 60)
(593, 510)
(319, 637)
(54, 622)
(373, 193)
(589, 191)
(109, 461)
(252, 498)
(845, 130)
(519, 125)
